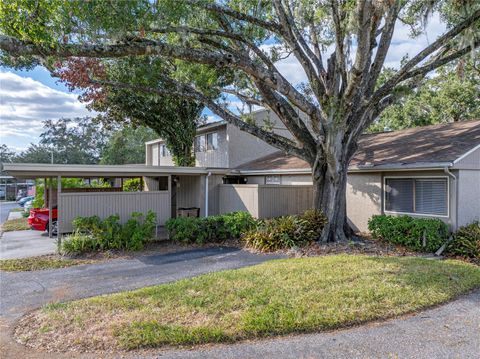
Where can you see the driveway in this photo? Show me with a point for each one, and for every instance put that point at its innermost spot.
(448, 331)
(21, 244)
(24, 291)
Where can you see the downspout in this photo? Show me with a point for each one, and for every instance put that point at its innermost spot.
(206, 193)
(451, 175)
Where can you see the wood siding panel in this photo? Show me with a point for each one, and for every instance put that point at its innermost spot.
(72, 205)
(233, 198)
(281, 200)
(265, 201)
(188, 194)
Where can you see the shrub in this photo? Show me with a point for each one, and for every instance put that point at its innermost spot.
(409, 232)
(315, 222)
(209, 229)
(466, 241)
(132, 185)
(286, 232)
(94, 234)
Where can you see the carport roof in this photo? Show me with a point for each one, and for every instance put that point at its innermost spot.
(35, 170)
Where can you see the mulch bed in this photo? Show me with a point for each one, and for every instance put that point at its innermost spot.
(358, 245)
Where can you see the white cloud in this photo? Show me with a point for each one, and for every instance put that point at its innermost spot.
(25, 103)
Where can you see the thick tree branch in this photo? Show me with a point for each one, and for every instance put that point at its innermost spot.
(148, 47)
(224, 10)
(280, 142)
(432, 65)
(300, 49)
(422, 55)
(383, 46)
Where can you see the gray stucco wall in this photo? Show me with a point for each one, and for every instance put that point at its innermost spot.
(364, 198)
(470, 161)
(469, 196)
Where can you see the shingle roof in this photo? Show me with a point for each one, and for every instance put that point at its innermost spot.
(428, 144)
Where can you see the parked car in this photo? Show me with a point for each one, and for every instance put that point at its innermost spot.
(21, 194)
(2, 193)
(38, 219)
(24, 200)
(28, 206)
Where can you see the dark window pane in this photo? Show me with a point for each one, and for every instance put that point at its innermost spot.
(431, 196)
(399, 195)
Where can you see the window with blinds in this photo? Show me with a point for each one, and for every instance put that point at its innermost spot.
(417, 195)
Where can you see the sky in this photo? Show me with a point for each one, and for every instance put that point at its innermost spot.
(29, 97)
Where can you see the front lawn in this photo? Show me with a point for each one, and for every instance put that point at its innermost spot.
(39, 263)
(276, 297)
(18, 224)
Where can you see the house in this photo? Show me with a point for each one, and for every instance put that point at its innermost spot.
(431, 171)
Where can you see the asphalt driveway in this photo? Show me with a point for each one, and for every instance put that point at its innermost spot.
(22, 244)
(24, 291)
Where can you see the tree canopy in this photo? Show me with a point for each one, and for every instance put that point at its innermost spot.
(341, 46)
(452, 95)
(127, 145)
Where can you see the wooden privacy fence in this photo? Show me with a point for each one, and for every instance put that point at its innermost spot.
(104, 204)
(265, 201)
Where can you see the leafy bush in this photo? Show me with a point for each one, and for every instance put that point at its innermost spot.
(209, 229)
(286, 232)
(409, 232)
(466, 241)
(38, 201)
(94, 234)
(132, 185)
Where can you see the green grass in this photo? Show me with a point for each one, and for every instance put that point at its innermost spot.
(18, 224)
(274, 298)
(38, 263)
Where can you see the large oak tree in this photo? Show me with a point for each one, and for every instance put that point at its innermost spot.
(340, 44)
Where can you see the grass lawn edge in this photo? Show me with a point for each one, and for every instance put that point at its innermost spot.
(176, 336)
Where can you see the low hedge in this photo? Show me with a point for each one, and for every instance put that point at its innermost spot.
(466, 242)
(409, 232)
(94, 234)
(209, 229)
(286, 232)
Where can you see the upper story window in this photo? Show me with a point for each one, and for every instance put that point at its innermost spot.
(199, 145)
(212, 141)
(164, 151)
(417, 195)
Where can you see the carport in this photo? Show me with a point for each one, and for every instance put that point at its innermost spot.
(164, 189)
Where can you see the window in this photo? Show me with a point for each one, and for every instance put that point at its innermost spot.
(199, 143)
(417, 195)
(272, 180)
(164, 151)
(212, 141)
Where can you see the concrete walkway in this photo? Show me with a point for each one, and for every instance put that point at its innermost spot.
(22, 244)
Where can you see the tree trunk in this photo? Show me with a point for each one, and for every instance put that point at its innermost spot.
(329, 195)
